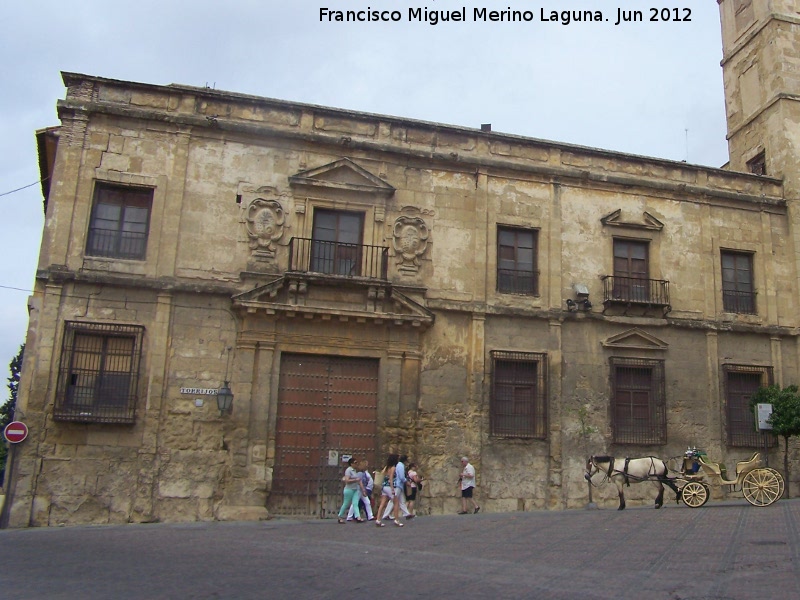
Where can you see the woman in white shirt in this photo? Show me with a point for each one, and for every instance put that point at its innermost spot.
(388, 491)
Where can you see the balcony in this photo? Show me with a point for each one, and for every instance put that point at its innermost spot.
(338, 259)
(631, 292)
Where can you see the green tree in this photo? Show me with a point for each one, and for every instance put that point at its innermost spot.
(7, 409)
(785, 418)
(585, 432)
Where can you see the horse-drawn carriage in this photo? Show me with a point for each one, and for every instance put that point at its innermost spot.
(760, 485)
(690, 477)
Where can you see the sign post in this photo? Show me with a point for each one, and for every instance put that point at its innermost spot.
(763, 414)
(15, 432)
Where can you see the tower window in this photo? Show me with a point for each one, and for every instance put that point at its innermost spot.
(758, 164)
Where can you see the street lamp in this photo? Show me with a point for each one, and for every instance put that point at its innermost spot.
(225, 399)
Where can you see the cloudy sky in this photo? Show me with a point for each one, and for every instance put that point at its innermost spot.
(649, 88)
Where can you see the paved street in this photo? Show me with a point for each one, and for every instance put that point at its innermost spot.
(725, 550)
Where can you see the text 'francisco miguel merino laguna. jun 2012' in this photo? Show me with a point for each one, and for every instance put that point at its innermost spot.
(423, 14)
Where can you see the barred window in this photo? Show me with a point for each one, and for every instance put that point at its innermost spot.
(120, 222)
(517, 261)
(638, 401)
(518, 405)
(741, 382)
(99, 372)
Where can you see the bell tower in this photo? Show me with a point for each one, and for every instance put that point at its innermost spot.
(761, 73)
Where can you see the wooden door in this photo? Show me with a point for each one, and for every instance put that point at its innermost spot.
(327, 410)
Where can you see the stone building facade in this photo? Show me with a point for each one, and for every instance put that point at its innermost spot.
(366, 284)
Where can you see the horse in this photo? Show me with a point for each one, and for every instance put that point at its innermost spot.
(623, 472)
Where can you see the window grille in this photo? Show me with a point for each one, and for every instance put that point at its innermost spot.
(518, 405)
(120, 222)
(99, 373)
(741, 382)
(638, 401)
(517, 261)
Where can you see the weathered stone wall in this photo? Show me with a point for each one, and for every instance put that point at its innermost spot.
(210, 298)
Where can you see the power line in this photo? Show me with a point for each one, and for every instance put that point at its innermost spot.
(24, 187)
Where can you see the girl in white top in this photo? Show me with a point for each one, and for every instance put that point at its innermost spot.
(386, 479)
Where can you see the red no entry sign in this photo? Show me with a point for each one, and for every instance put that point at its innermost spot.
(15, 432)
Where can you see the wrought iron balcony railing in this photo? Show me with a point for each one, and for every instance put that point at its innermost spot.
(336, 258)
(635, 291)
(514, 281)
(739, 302)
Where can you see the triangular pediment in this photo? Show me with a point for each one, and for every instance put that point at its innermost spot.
(648, 221)
(635, 339)
(343, 174)
(341, 301)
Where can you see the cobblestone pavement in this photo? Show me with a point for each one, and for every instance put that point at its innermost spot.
(725, 550)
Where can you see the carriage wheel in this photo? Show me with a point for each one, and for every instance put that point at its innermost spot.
(780, 481)
(694, 494)
(761, 487)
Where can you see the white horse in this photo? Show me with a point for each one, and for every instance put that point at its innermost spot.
(632, 470)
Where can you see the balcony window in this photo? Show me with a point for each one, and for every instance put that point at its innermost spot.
(337, 242)
(120, 221)
(630, 285)
(517, 261)
(631, 271)
(738, 294)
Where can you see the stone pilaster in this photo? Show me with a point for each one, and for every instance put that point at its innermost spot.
(557, 493)
(170, 222)
(776, 352)
(715, 407)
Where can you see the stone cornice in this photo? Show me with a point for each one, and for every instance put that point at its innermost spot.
(565, 316)
(750, 35)
(60, 275)
(423, 315)
(465, 161)
(234, 97)
(760, 111)
(289, 297)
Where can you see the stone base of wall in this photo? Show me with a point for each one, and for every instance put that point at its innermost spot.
(241, 513)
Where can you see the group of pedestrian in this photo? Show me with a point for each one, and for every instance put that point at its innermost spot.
(399, 483)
